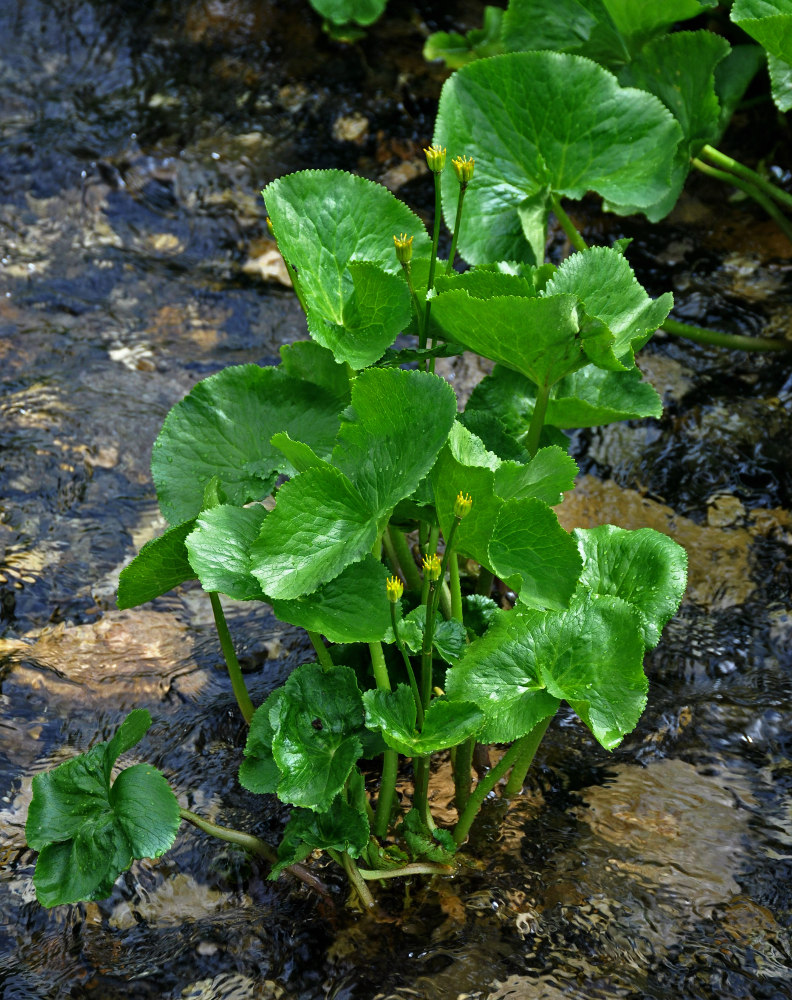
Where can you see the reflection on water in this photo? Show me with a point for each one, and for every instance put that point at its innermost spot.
(134, 261)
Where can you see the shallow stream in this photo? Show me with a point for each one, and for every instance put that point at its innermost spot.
(134, 261)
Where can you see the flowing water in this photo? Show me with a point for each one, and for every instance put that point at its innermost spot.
(134, 260)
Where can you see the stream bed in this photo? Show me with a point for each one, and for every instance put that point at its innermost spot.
(134, 260)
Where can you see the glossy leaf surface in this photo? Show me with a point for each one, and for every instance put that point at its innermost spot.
(219, 550)
(445, 724)
(161, 565)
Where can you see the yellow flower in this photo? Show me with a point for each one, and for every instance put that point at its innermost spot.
(462, 505)
(463, 168)
(431, 566)
(403, 245)
(394, 589)
(435, 158)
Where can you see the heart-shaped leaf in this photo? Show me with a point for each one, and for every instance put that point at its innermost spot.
(445, 724)
(219, 550)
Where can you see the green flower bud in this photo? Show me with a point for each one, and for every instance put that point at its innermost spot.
(463, 168)
(462, 505)
(394, 588)
(403, 246)
(431, 566)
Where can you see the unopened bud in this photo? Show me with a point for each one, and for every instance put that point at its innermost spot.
(435, 158)
(403, 246)
(431, 567)
(462, 505)
(463, 168)
(270, 227)
(394, 588)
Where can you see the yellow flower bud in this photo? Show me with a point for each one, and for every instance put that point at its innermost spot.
(394, 588)
(431, 566)
(270, 227)
(462, 505)
(435, 158)
(463, 168)
(403, 246)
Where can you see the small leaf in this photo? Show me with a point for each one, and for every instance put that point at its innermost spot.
(478, 613)
(317, 736)
(433, 845)
(219, 550)
(160, 566)
(769, 22)
(351, 608)
(340, 12)
(223, 427)
(532, 554)
(546, 477)
(88, 831)
(445, 724)
(339, 828)
(478, 43)
(448, 641)
(645, 568)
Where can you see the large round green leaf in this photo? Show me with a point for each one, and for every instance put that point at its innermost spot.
(543, 121)
(223, 428)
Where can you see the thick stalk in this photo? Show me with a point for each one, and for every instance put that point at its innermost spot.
(482, 790)
(445, 600)
(767, 204)
(322, 653)
(426, 646)
(537, 419)
(722, 160)
(463, 761)
(232, 663)
(254, 845)
(735, 341)
(405, 557)
(421, 790)
(438, 211)
(416, 302)
(390, 555)
(455, 237)
(567, 224)
(353, 874)
(528, 745)
(390, 759)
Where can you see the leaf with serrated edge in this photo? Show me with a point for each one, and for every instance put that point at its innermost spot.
(320, 525)
(309, 361)
(545, 477)
(223, 428)
(391, 433)
(645, 568)
(536, 120)
(769, 22)
(219, 550)
(445, 724)
(581, 26)
(605, 285)
(532, 554)
(351, 608)
(161, 565)
(317, 736)
(340, 828)
(258, 772)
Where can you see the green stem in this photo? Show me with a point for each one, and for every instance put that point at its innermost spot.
(405, 558)
(433, 261)
(416, 868)
(767, 204)
(445, 600)
(416, 302)
(484, 582)
(254, 845)
(455, 237)
(537, 419)
(463, 761)
(431, 546)
(232, 663)
(528, 745)
(421, 790)
(735, 341)
(456, 589)
(390, 554)
(353, 873)
(322, 653)
(410, 672)
(483, 788)
(390, 759)
(722, 160)
(426, 647)
(567, 224)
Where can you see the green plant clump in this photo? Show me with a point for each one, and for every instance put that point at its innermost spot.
(417, 545)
